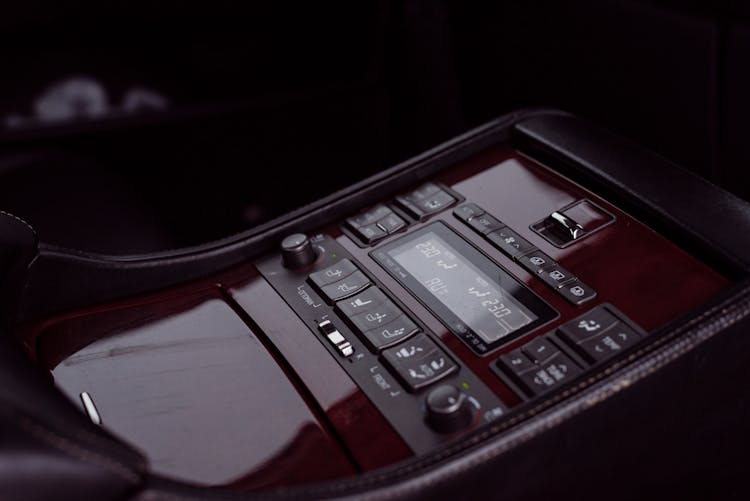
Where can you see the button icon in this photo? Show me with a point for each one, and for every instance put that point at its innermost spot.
(577, 291)
(556, 275)
(347, 288)
(375, 317)
(408, 352)
(358, 302)
(537, 261)
(589, 325)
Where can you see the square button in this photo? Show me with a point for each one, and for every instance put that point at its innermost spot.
(588, 325)
(509, 242)
(419, 362)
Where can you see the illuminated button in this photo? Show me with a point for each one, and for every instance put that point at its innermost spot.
(333, 273)
(509, 242)
(391, 333)
(362, 302)
(345, 287)
(419, 362)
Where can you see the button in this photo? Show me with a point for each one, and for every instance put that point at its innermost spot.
(559, 370)
(535, 262)
(448, 409)
(556, 276)
(372, 216)
(391, 223)
(590, 324)
(577, 292)
(333, 273)
(364, 301)
(514, 362)
(540, 350)
(609, 343)
(376, 316)
(419, 362)
(346, 349)
(326, 327)
(391, 333)
(510, 242)
(467, 211)
(345, 287)
(485, 224)
(436, 202)
(410, 207)
(370, 233)
(423, 192)
(335, 338)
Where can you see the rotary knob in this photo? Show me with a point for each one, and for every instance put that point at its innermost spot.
(297, 251)
(448, 409)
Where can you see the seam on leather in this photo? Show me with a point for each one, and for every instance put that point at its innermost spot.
(72, 449)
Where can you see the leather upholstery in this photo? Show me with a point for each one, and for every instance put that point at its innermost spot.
(662, 421)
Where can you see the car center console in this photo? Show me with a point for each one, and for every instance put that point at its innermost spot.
(399, 325)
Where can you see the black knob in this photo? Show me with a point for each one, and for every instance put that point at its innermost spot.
(297, 251)
(448, 409)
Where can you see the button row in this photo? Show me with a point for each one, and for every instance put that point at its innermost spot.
(380, 221)
(376, 223)
(596, 336)
(418, 361)
(521, 250)
(425, 200)
(599, 334)
(539, 366)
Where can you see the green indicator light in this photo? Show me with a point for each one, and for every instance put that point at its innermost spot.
(333, 255)
(465, 385)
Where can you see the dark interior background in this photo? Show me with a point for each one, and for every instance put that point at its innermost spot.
(271, 106)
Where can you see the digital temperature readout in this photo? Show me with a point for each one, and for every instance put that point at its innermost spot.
(475, 298)
(484, 306)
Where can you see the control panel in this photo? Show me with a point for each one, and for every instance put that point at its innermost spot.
(426, 394)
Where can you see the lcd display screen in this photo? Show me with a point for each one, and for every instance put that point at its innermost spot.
(475, 298)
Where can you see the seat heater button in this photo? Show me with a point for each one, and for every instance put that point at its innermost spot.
(467, 211)
(333, 273)
(391, 223)
(391, 333)
(345, 287)
(485, 224)
(362, 302)
(376, 316)
(371, 216)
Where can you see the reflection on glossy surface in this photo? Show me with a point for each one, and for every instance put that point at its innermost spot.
(200, 395)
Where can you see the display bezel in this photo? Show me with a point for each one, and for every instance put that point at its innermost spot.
(544, 312)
